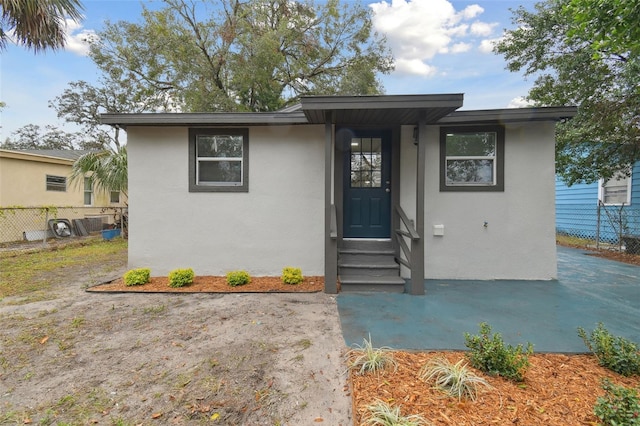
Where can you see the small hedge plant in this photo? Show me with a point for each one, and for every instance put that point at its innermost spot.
(489, 354)
(236, 278)
(137, 276)
(292, 275)
(613, 352)
(181, 277)
(619, 405)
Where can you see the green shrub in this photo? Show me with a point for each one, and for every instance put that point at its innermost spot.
(181, 277)
(489, 354)
(137, 276)
(292, 275)
(454, 379)
(236, 278)
(613, 352)
(619, 406)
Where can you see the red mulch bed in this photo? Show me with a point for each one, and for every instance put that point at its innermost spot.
(216, 284)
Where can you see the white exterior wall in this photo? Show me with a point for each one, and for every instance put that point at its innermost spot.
(278, 223)
(519, 239)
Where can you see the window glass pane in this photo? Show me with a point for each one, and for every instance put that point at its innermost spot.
(220, 172)
(366, 163)
(56, 183)
(615, 190)
(220, 146)
(114, 197)
(469, 172)
(477, 144)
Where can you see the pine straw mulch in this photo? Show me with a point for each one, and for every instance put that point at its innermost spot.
(559, 390)
(216, 284)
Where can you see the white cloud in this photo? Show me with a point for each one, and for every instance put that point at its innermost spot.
(461, 47)
(486, 46)
(519, 102)
(77, 39)
(482, 29)
(415, 67)
(418, 30)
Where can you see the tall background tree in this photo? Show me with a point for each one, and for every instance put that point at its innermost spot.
(228, 55)
(33, 136)
(583, 53)
(37, 24)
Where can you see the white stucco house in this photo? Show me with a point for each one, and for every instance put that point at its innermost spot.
(371, 192)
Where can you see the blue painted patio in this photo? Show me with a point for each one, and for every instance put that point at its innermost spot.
(589, 290)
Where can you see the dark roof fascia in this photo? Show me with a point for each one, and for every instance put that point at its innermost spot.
(381, 101)
(205, 119)
(509, 115)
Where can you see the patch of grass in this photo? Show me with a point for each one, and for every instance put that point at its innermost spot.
(30, 272)
(382, 414)
(304, 344)
(154, 310)
(455, 380)
(572, 241)
(367, 359)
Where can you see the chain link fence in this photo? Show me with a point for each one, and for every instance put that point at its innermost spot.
(24, 229)
(616, 226)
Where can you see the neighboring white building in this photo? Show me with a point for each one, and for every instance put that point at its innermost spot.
(364, 188)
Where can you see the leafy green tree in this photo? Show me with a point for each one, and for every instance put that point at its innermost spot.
(574, 65)
(82, 103)
(33, 136)
(611, 25)
(245, 56)
(37, 24)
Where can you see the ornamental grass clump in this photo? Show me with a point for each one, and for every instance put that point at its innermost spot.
(181, 277)
(367, 359)
(138, 276)
(382, 414)
(490, 354)
(236, 278)
(613, 352)
(455, 380)
(292, 275)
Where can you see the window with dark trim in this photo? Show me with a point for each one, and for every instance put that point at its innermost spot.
(114, 197)
(218, 160)
(472, 158)
(56, 183)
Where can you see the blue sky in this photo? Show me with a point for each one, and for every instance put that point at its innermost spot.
(440, 46)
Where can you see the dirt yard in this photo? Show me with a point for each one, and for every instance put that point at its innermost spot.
(141, 359)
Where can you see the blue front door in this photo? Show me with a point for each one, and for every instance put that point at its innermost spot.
(367, 184)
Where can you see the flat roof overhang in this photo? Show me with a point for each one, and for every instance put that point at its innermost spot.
(510, 115)
(204, 119)
(341, 110)
(383, 109)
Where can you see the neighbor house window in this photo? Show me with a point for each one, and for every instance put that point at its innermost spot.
(218, 160)
(616, 191)
(88, 191)
(56, 183)
(472, 158)
(114, 197)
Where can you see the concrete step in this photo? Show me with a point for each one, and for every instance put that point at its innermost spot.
(381, 269)
(390, 284)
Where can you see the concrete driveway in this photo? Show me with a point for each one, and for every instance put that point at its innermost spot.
(546, 313)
